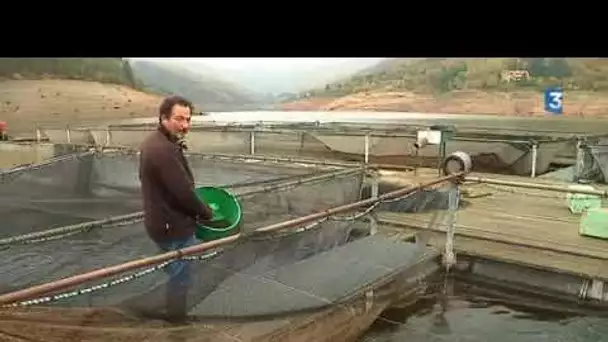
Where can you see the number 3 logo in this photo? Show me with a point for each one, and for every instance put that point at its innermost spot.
(555, 101)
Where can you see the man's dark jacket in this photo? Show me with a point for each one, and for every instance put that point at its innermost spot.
(171, 209)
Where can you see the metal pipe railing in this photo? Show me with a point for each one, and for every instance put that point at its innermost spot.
(335, 125)
(265, 187)
(48, 162)
(274, 159)
(356, 205)
(548, 187)
(372, 132)
(296, 160)
(57, 285)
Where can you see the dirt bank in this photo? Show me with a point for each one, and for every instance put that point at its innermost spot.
(24, 103)
(522, 103)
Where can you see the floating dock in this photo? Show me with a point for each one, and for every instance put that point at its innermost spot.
(509, 231)
(514, 231)
(290, 273)
(493, 150)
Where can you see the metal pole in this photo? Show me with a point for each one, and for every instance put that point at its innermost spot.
(442, 149)
(534, 159)
(449, 258)
(67, 134)
(579, 160)
(366, 148)
(549, 187)
(108, 136)
(252, 143)
(57, 285)
(38, 134)
(373, 223)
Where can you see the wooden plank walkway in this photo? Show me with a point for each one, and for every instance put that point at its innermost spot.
(525, 226)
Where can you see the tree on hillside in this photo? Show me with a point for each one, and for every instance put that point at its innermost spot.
(448, 77)
(516, 63)
(129, 75)
(536, 66)
(445, 75)
(511, 64)
(559, 67)
(548, 67)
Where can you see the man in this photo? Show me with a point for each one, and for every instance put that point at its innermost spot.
(171, 208)
(3, 129)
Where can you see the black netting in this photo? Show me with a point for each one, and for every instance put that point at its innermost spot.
(266, 286)
(267, 278)
(594, 165)
(304, 285)
(92, 186)
(35, 263)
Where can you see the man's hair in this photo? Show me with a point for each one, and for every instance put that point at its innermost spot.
(164, 111)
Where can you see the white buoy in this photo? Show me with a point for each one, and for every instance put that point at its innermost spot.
(457, 162)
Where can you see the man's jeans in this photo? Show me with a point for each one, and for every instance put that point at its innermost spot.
(180, 278)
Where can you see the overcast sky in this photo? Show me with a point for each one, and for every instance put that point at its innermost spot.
(265, 63)
(274, 75)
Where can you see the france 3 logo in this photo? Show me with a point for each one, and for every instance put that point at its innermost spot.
(554, 101)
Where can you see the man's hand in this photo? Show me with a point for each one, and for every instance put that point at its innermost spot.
(202, 221)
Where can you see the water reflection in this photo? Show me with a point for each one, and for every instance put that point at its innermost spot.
(464, 315)
(537, 124)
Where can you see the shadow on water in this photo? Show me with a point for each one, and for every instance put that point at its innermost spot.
(456, 311)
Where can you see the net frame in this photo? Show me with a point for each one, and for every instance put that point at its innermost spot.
(396, 283)
(51, 194)
(495, 151)
(320, 172)
(308, 222)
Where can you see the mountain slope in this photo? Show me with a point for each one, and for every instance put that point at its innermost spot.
(506, 86)
(207, 91)
(105, 70)
(60, 91)
(26, 103)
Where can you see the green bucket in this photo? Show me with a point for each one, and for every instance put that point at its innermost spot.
(226, 213)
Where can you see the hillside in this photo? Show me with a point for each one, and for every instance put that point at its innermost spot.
(59, 91)
(105, 70)
(62, 91)
(208, 92)
(504, 86)
(25, 103)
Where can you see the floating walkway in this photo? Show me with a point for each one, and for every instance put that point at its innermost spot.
(515, 231)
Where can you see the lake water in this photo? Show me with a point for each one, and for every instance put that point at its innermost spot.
(467, 317)
(538, 124)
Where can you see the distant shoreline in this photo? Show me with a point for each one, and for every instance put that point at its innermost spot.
(581, 104)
